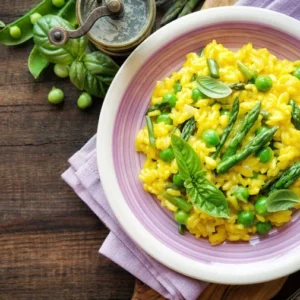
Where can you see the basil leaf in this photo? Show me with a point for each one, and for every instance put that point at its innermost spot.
(187, 159)
(77, 74)
(207, 197)
(65, 54)
(281, 200)
(213, 88)
(100, 64)
(36, 63)
(203, 194)
(94, 73)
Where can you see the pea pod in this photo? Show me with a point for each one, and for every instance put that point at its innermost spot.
(24, 23)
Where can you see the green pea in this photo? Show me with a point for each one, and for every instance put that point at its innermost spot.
(181, 216)
(58, 3)
(165, 118)
(210, 137)
(56, 96)
(263, 227)
(245, 218)
(296, 73)
(34, 17)
(197, 94)
(177, 180)
(15, 32)
(265, 154)
(167, 155)
(84, 101)
(263, 83)
(261, 129)
(177, 87)
(171, 98)
(224, 112)
(61, 71)
(241, 193)
(260, 205)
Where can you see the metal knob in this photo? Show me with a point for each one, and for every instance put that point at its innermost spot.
(59, 36)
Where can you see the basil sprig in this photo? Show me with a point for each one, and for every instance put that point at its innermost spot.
(203, 194)
(92, 72)
(282, 200)
(213, 88)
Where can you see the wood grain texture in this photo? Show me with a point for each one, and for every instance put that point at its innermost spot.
(49, 239)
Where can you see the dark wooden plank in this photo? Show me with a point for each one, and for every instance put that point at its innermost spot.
(49, 239)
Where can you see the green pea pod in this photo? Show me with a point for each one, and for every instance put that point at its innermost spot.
(36, 62)
(24, 23)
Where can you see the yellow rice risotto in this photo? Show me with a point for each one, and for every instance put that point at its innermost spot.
(222, 143)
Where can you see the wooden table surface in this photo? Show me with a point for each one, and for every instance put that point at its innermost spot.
(49, 239)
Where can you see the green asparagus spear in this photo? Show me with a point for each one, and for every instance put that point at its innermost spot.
(179, 202)
(188, 129)
(232, 119)
(160, 3)
(295, 114)
(252, 147)
(189, 7)
(150, 131)
(237, 86)
(159, 106)
(245, 70)
(201, 52)
(287, 178)
(213, 67)
(173, 11)
(248, 122)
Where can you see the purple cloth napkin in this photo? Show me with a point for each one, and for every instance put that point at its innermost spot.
(83, 177)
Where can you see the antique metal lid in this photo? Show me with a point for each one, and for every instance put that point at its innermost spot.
(119, 36)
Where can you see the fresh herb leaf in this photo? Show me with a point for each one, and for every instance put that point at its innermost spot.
(187, 159)
(206, 196)
(282, 200)
(213, 88)
(203, 194)
(295, 114)
(57, 54)
(36, 62)
(93, 73)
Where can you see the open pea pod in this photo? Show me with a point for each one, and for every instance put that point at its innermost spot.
(24, 23)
